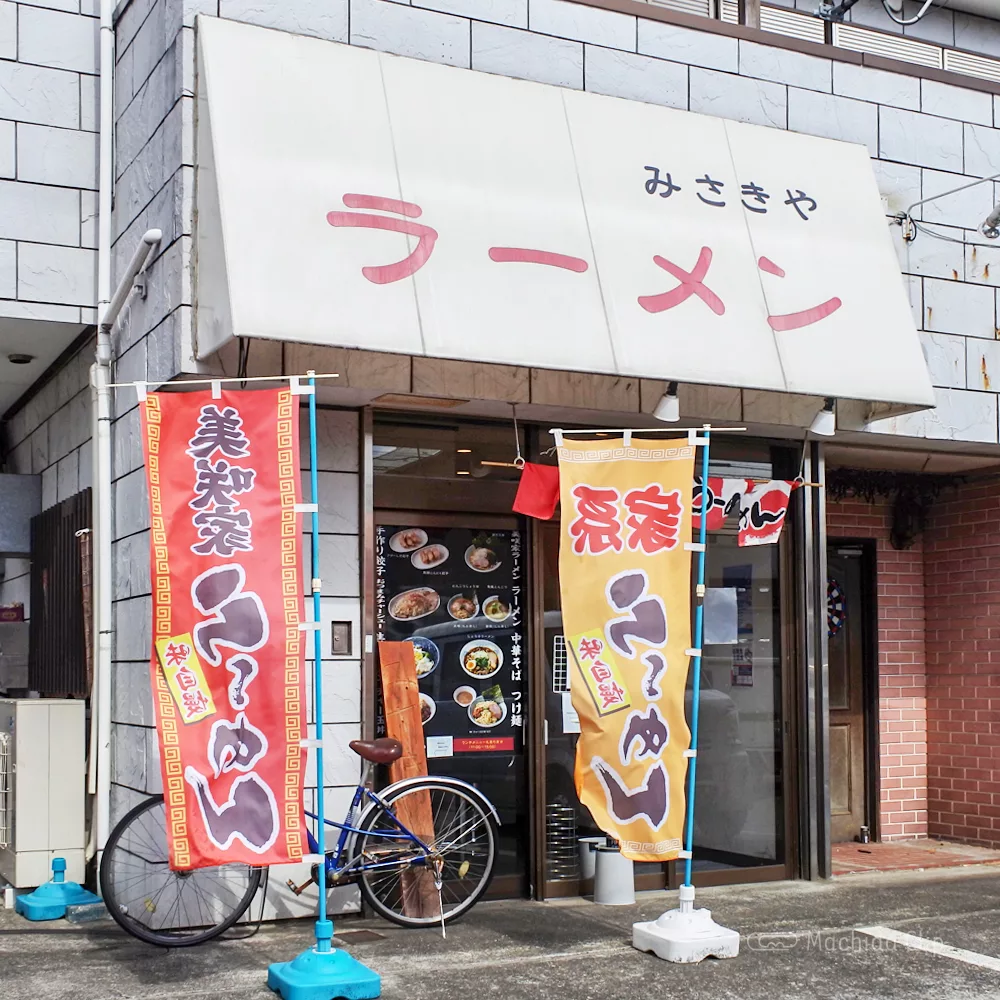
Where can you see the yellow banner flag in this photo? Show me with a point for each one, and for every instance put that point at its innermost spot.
(626, 604)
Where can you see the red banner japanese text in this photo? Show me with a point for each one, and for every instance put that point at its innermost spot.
(227, 667)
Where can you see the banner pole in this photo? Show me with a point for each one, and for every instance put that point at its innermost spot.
(324, 927)
(322, 972)
(685, 934)
(699, 632)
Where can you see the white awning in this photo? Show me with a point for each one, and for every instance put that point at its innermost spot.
(356, 199)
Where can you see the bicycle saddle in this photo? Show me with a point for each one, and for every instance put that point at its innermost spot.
(383, 751)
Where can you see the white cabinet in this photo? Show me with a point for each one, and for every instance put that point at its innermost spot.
(42, 789)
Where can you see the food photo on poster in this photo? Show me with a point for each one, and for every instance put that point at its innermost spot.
(456, 595)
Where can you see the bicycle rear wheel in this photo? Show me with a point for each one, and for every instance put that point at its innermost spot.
(463, 842)
(164, 907)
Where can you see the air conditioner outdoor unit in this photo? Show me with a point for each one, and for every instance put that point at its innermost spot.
(42, 789)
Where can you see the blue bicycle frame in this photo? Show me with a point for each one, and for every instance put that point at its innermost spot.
(347, 828)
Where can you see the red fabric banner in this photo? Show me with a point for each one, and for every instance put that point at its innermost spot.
(723, 498)
(538, 491)
(227, 661)
(762, 512)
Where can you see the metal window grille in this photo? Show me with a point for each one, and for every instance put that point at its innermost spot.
(6, 811)
(57, 634)
(560, 665)
(701, 7)
(807, 26)
(891, 46)
(970, 65)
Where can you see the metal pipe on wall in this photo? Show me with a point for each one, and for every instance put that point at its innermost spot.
(100, 374)
(100, 702)
(814, 753)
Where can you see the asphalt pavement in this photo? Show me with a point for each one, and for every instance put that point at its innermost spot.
(882, 936)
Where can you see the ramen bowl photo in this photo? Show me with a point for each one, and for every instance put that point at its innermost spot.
(481, 558)
(463, 606)
(496, 608)
(481, 658)
(486, 713)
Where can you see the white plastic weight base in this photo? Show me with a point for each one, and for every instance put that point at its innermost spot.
(685, 935)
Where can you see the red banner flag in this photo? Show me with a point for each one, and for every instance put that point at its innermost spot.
(762, 512)
(227, 665)
(723, 498)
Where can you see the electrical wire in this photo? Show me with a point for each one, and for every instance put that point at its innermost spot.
(260, 916)
(901, 20)
(920, 227)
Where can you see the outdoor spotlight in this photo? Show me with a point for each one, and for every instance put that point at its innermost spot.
(20, 359)
(991, 227)
(669, 407)
(825, 422)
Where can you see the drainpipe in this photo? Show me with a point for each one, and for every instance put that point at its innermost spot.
(101, 391)
(100, 701)
(108, 308)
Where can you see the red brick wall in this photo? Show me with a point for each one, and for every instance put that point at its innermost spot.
(903, 809)
(962, 572)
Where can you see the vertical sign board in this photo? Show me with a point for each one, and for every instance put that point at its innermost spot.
(626, 598)
(227, 664)
(456, 595)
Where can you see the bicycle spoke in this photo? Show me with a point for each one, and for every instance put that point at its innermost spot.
(460, 838)
(158, 904)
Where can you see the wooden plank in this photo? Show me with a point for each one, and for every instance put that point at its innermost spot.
(401, 701)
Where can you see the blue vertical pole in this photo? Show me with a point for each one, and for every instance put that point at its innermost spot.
(324, 927)
(699, 631)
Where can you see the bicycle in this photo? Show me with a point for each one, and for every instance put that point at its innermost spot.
(412, 880)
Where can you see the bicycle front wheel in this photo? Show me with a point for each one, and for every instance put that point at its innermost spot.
(462, 837)
(164, 907)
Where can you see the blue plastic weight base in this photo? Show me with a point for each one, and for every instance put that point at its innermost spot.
(49, 901)
(326, 975)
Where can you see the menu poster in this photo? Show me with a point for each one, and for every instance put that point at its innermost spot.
(456, 594)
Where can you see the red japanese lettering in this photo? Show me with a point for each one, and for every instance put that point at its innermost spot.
(804, 317)
(597, 527)
(691, 283)
(426, 237)
(601, 672)
(186, 680)
(654, 517)
(194, 702)
(610, 694)
(177, 653)
(518, 255)
(590, 649)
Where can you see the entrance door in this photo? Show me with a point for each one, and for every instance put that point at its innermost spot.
(848, 614)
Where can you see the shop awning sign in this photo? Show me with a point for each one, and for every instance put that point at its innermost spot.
(356, 199)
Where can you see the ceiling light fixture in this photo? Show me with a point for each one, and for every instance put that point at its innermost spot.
(20, 359)
(668, 408)
(825, 422)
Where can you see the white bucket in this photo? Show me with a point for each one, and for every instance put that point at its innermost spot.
(588, 854)
(614, 878)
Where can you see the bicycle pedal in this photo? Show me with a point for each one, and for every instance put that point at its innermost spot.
(299, 889)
